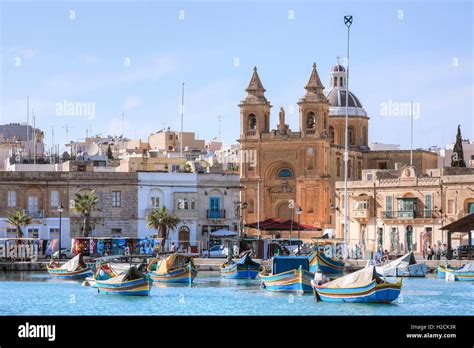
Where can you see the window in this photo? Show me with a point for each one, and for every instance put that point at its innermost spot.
(351, 135)
(382, 165)
(193, 204)
(116, 199)
(33, 232)
(11, 199)
(369, 177)
(389, 205)
(11, 232)
(154, 202)
(428, 203)
(54, 198)
(170, 137)
(338, 167)
(183, 204)
(331, 134)
(310, 120)
(33, 205)
(252, 121)
(285, 173)
(451, 206)
(361, 205)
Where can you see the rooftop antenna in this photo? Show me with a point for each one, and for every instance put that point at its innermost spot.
(34, 137)
(411, 135)
(27, 118)
(181, 145)
(220, 118)
(123, 118)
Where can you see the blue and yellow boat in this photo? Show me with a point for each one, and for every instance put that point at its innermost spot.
(176, 268)
(75, 268)
(325, 264)
(244, 268)
(464, 273)
(131, 283)
(363, 286)
(289, 273)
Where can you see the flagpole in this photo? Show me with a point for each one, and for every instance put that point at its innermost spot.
(347, 22)
(182, 121)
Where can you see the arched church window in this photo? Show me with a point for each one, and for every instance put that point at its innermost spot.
(340, 81)
(310, 120)
(335, 81)
(331, 134)
(285, 173)
(252, 121)
(338, 167)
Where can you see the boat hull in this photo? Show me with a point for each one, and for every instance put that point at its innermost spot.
(180, 275)
(372, 293)
(291, 281)
(326, 265)
(138, 287)
(64, 274)
(239, 272)
(458, 275)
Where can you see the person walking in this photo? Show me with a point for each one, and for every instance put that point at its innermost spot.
(173, 247)
(429, 252)
(438, 252)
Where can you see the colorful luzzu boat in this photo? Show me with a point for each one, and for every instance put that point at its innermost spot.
(75, 268)
(104, 271)
(288, 274)
(325, 264)
(176, 268)
(464, 273)
(244, 268)
(131, 283)
(364, 286)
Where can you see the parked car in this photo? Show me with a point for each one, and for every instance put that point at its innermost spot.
(462, 251)
(65, 254)
(217, 251)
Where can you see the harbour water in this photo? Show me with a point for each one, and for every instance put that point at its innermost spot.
(36, 293)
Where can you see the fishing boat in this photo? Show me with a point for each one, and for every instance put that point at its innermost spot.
(104, 271)
(73, 269)
(244, 268)
(176, 268)
(405, 266)
(132, 282)
(326, 264)
(364, 286)
(288, 273)
(464, 273)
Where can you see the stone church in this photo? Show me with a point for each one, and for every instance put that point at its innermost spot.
(303, 165)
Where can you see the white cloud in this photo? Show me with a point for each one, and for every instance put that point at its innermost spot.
(22, 52)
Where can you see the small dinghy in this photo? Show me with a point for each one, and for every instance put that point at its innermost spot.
(362, 286)
(244, 268)
(289, 273)
(75, 268)
(405, 266)
(131, 282)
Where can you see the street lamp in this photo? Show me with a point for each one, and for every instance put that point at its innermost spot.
(291, 205)
(298, 213)
(242, 207)
(60, 210)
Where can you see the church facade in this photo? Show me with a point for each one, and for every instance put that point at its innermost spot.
(301, 166)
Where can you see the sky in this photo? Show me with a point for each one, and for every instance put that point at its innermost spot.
(132, 57)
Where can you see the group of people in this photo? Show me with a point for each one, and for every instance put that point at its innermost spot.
(174, 248)
(381, 256)
(436, 251)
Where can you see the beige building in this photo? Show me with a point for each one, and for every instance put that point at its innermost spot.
(167, 140)
(402, 210)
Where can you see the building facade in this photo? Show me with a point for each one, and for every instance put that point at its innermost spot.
(279, 166)
(403, 210)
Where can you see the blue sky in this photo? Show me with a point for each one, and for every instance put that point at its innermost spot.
(400, 51)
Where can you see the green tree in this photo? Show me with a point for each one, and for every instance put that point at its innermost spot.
(160, 220)
(85, 203)
(457, 158)
(20, 218)
(110, 155)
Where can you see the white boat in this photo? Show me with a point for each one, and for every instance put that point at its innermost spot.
(405, 266)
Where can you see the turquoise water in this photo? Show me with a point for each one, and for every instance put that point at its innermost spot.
(36, 293)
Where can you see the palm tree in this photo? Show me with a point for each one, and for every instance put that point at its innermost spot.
(84, 204)
(160, 220)
(20, 218)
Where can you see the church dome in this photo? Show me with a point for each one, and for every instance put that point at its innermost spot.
(337, 97)
(338, 68)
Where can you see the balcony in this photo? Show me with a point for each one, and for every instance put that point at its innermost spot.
(361, 213)
(35, 213)
(408, 214)
(251, 132)
(216, 214)
(311, 131)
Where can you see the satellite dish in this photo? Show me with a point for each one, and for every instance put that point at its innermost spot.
(93, 149)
